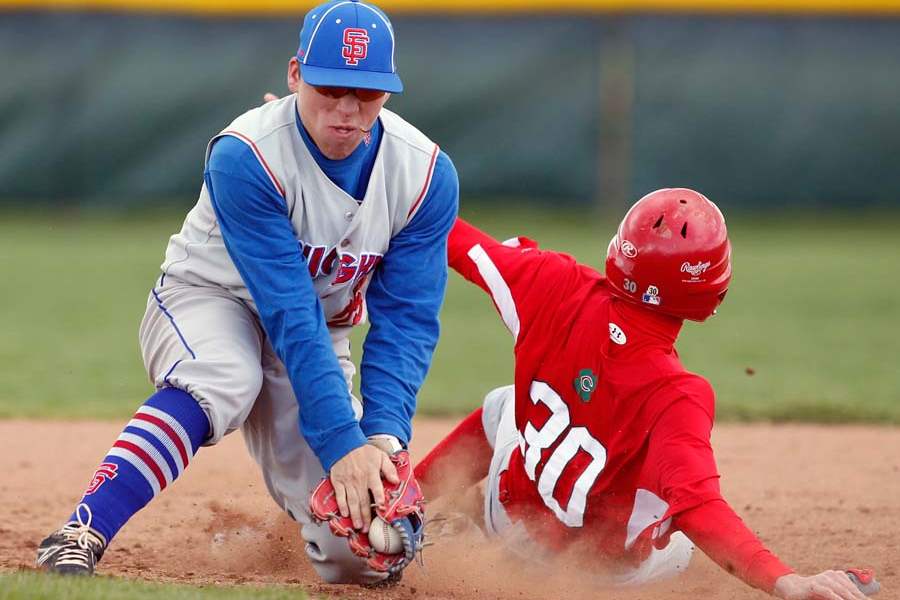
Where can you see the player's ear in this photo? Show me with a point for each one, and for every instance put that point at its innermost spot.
(293, 75)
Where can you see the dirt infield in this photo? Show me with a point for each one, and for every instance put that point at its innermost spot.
(821, 497)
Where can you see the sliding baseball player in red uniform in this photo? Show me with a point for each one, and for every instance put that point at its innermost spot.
(603, 442)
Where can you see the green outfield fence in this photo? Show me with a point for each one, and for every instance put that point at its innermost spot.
(758, 104)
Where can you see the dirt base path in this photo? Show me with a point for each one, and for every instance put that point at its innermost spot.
(821, 497)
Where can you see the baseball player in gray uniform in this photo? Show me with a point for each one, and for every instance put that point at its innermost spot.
(317, 210)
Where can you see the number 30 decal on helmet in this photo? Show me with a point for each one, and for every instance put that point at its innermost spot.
(671, 254)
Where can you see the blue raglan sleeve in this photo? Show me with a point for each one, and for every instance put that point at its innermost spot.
(403, 301)
(260, 239)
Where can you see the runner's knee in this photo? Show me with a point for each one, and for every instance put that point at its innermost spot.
(495, 403)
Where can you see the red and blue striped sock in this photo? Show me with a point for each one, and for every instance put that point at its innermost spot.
(153, 450)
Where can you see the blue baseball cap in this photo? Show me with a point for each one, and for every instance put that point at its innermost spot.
(348, 43)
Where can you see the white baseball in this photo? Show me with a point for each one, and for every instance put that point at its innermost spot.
(384, 538)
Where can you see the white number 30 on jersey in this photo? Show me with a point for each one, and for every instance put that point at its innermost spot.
(534, 441)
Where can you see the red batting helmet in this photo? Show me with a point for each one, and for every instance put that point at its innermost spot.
(671, 254)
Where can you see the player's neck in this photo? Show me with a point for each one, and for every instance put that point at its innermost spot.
(657, 325)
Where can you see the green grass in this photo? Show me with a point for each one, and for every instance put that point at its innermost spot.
(814, 311)
(28, 586)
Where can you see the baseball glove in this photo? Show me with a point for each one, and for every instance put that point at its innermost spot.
(404, 510)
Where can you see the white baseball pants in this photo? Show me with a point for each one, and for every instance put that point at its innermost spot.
(210, 344)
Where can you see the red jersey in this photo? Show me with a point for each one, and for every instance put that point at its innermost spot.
(614, 433)
(593, 377)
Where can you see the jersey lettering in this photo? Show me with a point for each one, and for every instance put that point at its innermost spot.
(322, 261)
(329, 262)
(352, 314)
(348, 269)
(574, 439)
(314, 255)
(353, 269)
(367, 263)
(537, 440)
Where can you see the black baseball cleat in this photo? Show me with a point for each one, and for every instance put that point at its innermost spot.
(73, 550)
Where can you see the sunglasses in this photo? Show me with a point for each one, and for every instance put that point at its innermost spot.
(340, 92)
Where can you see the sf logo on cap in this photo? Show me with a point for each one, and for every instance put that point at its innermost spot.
(356, 45)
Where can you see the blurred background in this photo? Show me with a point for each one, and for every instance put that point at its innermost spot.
(558, 115)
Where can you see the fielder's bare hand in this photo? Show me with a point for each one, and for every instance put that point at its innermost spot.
(828, 585)
(354, 476)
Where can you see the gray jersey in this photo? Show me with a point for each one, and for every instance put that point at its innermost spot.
(200, 335)
(343, 240)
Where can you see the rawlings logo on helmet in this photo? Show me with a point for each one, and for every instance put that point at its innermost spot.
(628, 249)
(695, 270)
